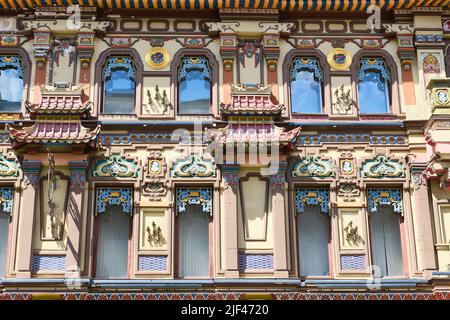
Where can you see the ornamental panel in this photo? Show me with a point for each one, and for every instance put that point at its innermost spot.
(116, 166)
(376, 64)
(6, 199)
(194, 196)
(390, 197)
(124, 63)
(194, 167)
(114, 196)
(382, 167)
(306, 63)
(312, 197)
(8, 168)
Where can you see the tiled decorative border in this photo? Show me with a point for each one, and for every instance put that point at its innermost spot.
(441, 295)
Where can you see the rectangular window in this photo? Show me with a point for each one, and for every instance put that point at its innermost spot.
(112, 243)
(193, 243)
(4, 228)
(386, 241)
(313, 236)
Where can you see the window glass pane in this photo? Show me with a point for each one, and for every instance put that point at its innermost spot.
(119, 93)
(4, 223)
(112, 246)
(11, 90)
(193, 242)
(306, 93)
(312, 227)
(373, 93)
(195, 93)
(386, 241)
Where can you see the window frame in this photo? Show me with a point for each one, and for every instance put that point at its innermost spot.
(176, 234)
(99, 85)
(402, 228)
(26, 65)
(395, 111)
(214, 69)
(178, 88)
(9, 243)
(95, 238)
(326, 84)
(295, 239)
(320, 81)
(103, 90)
(388, 83)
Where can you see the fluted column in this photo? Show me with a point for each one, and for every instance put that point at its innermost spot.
(75, 214)
(31, 170)
(278, 190)
(423, 227)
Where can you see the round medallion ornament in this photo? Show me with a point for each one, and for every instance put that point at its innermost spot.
(442, 96)
(339, 59)
(157, 58)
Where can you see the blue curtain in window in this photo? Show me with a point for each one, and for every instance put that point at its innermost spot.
(373, 87)
(112, 245)
(313, 233)
(4, 225)
(193, 243)
(386, 242)
(194, 83)
(119, 86)
(306, 86)
(11, 83)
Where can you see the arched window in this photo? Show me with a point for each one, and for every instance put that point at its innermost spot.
(194, 86)
(11, 83)
(306, 85)
(373, 86)
(119, 86)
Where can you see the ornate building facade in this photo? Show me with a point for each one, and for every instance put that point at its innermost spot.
(225, 149)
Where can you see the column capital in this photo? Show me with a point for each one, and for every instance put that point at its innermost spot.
(278, 180)
(230, 173)
(32, 172)
(77, 175)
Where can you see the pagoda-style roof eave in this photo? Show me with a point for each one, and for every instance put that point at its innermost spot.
(33, 134)
(281, 5)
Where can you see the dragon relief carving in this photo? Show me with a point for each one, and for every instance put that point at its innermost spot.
(343, 101)
(312, 166)
(159, 103)
(155, 236)
(352, 235)
(194, 166)
(382, 167)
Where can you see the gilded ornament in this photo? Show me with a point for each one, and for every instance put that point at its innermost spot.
(339, 59)
(157, 58)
